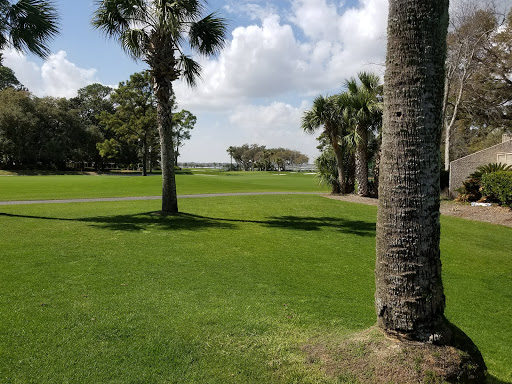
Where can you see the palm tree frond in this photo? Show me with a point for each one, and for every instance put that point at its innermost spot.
(114, 17)
(190, 69)
(351, 139)
(309, 122)
(207, 36)
(351, 85)
(370, 81)
(185, 10)
(134, 42)
(30, 25)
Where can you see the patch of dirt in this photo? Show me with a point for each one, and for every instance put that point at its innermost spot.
(494, 214)
(371, 357)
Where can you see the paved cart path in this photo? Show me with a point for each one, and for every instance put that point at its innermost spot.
(131, 198)
(493, 215)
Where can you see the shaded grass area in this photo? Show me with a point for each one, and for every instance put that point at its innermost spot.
(188, 182)
(226, 292)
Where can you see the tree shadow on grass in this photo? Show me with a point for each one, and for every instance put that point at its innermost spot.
(353, 227)
(191, 222)
(307, 223)
(140, 222)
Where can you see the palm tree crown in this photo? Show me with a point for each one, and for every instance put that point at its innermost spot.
(365, 103)
(153, 30)
(28, 25)
(330, 113)
(324, 112)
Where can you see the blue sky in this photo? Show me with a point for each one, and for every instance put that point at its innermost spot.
(278, 56)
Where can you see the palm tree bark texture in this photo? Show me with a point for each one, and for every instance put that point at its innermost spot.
(409, 296)
(162, 63)
(361, 155)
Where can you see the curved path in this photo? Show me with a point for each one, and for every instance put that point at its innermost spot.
(130, 198)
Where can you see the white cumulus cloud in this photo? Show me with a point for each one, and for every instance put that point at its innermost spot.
(57, 76)
(268, 59)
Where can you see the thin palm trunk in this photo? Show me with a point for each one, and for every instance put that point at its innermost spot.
(339, 152)
(376, 173)
(409, 295)
(163, 92)
(362, 160)
(145, 154)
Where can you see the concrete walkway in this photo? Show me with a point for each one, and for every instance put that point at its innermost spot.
(24, 202)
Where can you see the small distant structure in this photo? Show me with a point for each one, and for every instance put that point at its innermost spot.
(301, 168)
(462, 168)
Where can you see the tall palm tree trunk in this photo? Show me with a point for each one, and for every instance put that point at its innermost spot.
(409, 295)
(362, 160)
(163, 92)
(339, 152)
(145, 154)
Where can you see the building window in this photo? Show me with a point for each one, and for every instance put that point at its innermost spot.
(505, 158)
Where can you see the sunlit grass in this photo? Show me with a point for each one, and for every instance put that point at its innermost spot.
(188, 182)
(226, 292)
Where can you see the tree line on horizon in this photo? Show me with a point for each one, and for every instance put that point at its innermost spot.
(249, 157)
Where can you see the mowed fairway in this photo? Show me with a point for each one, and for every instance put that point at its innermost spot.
(229, 291)
(188, 182)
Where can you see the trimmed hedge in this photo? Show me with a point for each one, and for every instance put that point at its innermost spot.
(498, 186)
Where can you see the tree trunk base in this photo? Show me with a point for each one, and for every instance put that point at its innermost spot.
(372, 356)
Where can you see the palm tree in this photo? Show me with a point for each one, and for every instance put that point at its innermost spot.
(231, 151)
(365, 115)
(327, 112)
(27, 26)
(409, 296)
(154, 31)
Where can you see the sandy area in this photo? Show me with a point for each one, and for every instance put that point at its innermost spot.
(494, 214)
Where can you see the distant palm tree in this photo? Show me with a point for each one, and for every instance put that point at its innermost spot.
(365, 115)
(155, 31)
(327, 112)
(27, 26)
(231, 151)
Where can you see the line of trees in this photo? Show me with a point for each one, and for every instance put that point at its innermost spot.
(250, 157)
(100, 125)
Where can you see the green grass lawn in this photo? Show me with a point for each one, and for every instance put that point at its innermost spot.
(227, 292)
(188, 182)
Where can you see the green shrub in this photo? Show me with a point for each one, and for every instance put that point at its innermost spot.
(471, 189)
(489, 168)
(497, 186)
(328, 170)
